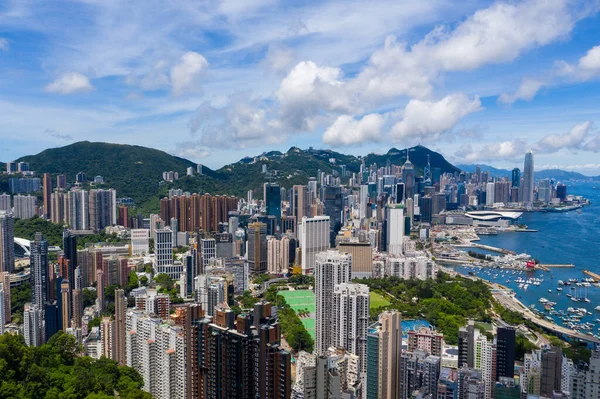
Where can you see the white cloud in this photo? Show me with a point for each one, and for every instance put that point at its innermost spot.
(347, 131)
(573, 140)
(185, 74)
(69, 83)
(191, 150)
(506, 150)
(427, 120)
(279, 58)
(526, 92)
(3, 44)
(588, 66)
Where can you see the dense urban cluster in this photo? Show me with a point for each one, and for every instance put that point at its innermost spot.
(302, 291)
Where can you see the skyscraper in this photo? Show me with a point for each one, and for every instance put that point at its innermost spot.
(314, 238)
(78, 210)
(5, 279)
(333, 202)
(70, 253)
(47, 187)
(505, 352)
(257, 248)
(7, 242)
(32, 325)
(272, 197)
(395, 228)
(102, 208)
(527, 189)
(39, 271)
(516, 177)
(2, 305)
(408, 177)
(331, 268)
(300, 202)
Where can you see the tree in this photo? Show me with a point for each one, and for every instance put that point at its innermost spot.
(89, 297)
(164, 281)
(144, 281)
(132, 281)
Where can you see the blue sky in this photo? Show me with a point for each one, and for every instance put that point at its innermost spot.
(213, 81)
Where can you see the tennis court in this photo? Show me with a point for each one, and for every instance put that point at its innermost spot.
(300, 299)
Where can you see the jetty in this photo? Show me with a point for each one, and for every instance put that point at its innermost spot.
(593, 275)
(488, 248)
(557, 265)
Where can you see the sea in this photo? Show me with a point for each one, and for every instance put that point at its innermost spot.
(562, 238)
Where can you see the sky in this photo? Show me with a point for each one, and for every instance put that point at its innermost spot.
(214, 81)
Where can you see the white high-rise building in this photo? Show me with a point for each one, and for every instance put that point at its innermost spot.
(490, 189)
(25, 206)
(209, 292)
(32, 325)
(363, 201)
(331, 268)
(284, 252)
(208, 251)
(273, 255)
(351, 320)
(410, 267)
(163, 253)
(395, 228)
(485, 355)
(79, 210)
(314, 239)
(140, 242)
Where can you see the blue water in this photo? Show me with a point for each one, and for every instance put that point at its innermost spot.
(413, 325)
(570, 237)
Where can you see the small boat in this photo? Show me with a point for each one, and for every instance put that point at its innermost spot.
(597, 308)
(559, 289)
(549, 290)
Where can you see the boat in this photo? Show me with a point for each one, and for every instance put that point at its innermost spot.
(597, 308)
(542, 300)
(574, 299)
(549, 290)
(559, 289)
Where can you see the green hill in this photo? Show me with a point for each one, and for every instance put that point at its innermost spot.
(136, 171)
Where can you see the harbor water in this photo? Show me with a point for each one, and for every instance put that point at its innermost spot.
(563, 238)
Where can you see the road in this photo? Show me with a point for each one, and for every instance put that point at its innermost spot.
(265, 286)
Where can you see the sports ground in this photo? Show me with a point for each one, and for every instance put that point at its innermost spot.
(302, 300)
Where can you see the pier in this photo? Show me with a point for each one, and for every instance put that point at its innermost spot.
(593, 275)
(557, 265)
(488, 248)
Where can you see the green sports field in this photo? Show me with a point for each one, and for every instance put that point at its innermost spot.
(377, 300)
(302, 300)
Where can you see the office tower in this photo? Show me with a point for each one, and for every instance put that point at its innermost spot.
(24, 206)
(314, 238)
(257, 248)
(140, 242)
(7, 242)
(272, 198)
(395, 228)
(384, 347)
(79, 211)
(427, 340)
(32, 325)
(490, 195)
(505, 352)
(163, 250)
(70, 253)
(5, 279)
(418, 371)
(331, 268)
(516, 177)
(274, 256)
(362, 257)
(350, 320)
(485, 361)
(123, 219)
(408, 177)
(208, 251)
(39, 271)
(527, 188)
(399, 192)
(363, 201)
(466, 345)
(47, 188)
(119, 329)
(300, 202)
(545, 190)
(102, 208)
(333, 203)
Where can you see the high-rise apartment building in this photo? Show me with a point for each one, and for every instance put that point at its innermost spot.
(79, 212)
(395, 228)
(300, 204)
(7, 242)
(39, 271)
(47, 188)
(331, 268)
(59, 203)
(427, 340)
(140, 242)
(505, 352)
(102, 208)
(314, 238)
(418, 371)
(5, 203)
(32, 325)
(384, 347)
(119, 327)
(5, 280)
(2, 307)
(24, 206)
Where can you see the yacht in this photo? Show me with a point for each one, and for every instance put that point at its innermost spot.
(597, 308)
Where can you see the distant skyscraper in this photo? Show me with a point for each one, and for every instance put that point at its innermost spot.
(272, 198)
(5, 279)
(119, 330)
(25, 206)
(32, 325)
(516, 177)
(527, 189)
(257, 248)
(61, 182)
(333, 203)
(395, 228)
(2, 306)
(70, 253)
(300, 202)
(78, 210)
(331, 268)
(102, 208)
(7, 242)
(314, 238)
(408, 177)
(47, 187)
(39, 271)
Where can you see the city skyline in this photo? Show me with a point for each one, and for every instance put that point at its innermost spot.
(279, 74)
